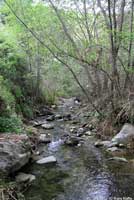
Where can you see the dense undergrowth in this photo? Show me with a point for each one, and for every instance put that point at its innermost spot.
(16, 98)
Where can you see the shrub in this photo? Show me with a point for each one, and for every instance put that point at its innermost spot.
(10, 124)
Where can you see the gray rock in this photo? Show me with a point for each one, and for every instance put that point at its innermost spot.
(113, 149)
(49, 159)
(80, 132)
(53, 106)
(22, 177)
(44, 139)
(125, 136)
(98, 144)
(72, 141)
(46, 111)
(58, 116)
(118, 159)
(102, 144)
(50, 118)
(73, 129)
(88, 133)
(121, 145)
(47, 126)
(37, 122)
(13, 156)
(67, 116)
(112, 144)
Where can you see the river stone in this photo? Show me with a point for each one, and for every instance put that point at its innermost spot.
(49, 159)
(118, 159)
(44, 139)
(125, 136)
(58, 116)
(22, 177)
(46, 111)
(102, 144)
(53, 106)
(35, 123)
(50, 118)
(67, 116)
(72, 141)
(98, 144)
(88, 133)
(113, 149)
(13, 156)
(47, 126)
(80, 132)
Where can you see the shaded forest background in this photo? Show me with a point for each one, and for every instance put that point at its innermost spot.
(53, 49)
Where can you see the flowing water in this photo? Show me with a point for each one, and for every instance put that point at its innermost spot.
(81, 173)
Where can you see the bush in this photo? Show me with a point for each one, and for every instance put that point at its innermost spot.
(10, 124)
(27, 111)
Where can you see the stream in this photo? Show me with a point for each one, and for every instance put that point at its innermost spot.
(81, 172)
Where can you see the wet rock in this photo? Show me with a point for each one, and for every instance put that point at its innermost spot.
(112, 149)
(121, 145)
(13, 156)
(80, 132)
(37, 122)
(58, 116)
(102, 143)
(73, 129)
(72, 141)
(88, 133)
(46, 111)
(44, 139)
(67, 116)
(118, 159)
(125, 136)
(47, 126)
(53, 106)
(77, 101)
(75, 121)
(98, 144)
(22, 177)
(112, 144)
(34, 123)
(91, 127)
(50, 118)
(49, 159)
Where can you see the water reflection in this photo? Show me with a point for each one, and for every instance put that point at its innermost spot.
(55, 145)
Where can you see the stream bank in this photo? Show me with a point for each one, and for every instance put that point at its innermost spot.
(82, 171)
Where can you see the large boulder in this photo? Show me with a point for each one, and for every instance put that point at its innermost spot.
(125, 136)
(13, 155)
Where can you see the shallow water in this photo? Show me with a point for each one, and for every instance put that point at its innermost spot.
(81, 173)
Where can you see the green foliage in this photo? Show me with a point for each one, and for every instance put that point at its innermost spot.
(7, 100)
(27, 111)
(50, 96)
(10, 124)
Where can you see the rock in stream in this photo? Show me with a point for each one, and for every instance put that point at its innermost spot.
(13, 155)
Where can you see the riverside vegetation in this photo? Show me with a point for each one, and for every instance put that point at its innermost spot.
(65, 66)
